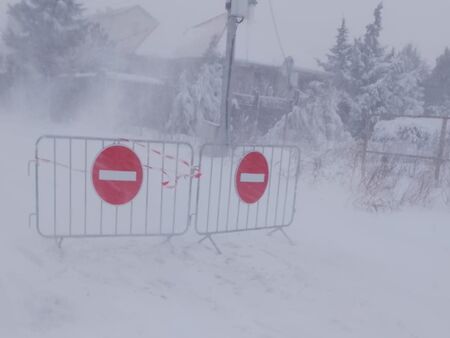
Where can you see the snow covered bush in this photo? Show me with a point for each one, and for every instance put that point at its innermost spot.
(183, 116)
(401, 89)
(207, 93)
(196, 108)
(314, 123)
(407, 135)
(393, 182)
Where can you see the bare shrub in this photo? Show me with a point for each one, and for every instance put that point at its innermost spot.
(391, 183)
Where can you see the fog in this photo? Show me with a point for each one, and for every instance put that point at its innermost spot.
(138, 199)
(307, 27)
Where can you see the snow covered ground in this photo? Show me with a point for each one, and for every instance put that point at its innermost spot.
(350, 273)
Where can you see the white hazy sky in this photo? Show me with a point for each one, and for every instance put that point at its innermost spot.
(307, 27)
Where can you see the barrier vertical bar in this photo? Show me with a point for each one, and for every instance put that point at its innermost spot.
(198, 187)
(36, 182)
(132, 202)
(257, 203)
(270, 188)
(54, 185)
(248, 205)
(85, 186)
(229, 188)
(163, 170)
(147, 185)
(278, 186)
(287, 184)
(116, 222)
(101, 202)
(209, 192)
(190, 189)
(220, 190)
(239, 200)
(175, 192)
(70, 187)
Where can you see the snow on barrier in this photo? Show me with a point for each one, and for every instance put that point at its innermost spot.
(246, 188)
(106, 187)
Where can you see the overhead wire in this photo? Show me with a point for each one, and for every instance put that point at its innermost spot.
(248, 39)
(277, 32)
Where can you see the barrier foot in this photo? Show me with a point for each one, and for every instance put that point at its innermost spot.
(212, 242)
(59, 242)
(291, 242)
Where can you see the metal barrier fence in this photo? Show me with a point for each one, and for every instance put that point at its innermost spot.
(221, 205)
(69, 206)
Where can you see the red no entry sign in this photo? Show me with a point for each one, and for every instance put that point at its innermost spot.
(117, 175)
(252, 177)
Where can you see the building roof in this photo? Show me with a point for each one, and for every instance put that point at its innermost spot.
(197, 40)
(126, 27)
(192, 43)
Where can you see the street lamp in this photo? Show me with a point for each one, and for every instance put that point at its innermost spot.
(238, 11)
(241, 8)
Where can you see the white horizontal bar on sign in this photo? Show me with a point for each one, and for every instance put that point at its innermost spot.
(252, 178)
(117, 175)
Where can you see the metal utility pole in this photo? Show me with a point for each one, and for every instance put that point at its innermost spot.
(237, 12)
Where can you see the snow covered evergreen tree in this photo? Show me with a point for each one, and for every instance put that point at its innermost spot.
(372, 80)
(370, 64)
(371, 47)
(314, 122)
(50, 37)
(401, 90)
(357, 70)
(197, 105)
(207, 92)
(183, 116)
(338, 59)
(391, 83)
(95, 53)
(43, 35)
(338, 64)
(438, 86)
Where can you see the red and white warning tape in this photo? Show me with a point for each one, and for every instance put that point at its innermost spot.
(194, 171)
(169, 181)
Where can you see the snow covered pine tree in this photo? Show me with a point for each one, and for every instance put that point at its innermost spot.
(196, 109)
(371, 80)
(438, 86)
(48, 39)
(43, 35)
